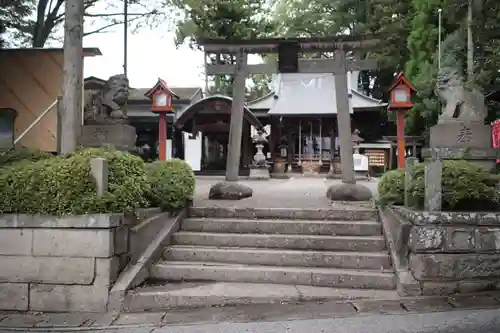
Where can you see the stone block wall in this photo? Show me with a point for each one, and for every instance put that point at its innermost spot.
(61, 264)
(450, 252)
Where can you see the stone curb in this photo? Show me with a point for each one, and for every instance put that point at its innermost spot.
(361, 307)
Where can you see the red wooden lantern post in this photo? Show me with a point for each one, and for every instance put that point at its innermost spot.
(400, 102)
(162, 97)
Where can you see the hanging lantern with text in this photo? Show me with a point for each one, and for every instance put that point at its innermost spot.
(162, 97)
(400, 102)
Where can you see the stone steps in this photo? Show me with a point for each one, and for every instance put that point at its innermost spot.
(312, 276)
(279, 257)
(281, 241)
(198, 294)
(353, 214)
(269, 226)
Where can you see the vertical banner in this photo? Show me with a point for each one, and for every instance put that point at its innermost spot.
(495, 131)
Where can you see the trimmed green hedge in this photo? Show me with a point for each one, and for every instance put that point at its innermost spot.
(63, 185)
(12, 155)
(172, 184)
(391, 187)
(465, 186)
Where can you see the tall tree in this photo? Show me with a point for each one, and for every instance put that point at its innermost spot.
(47, 17)
(226, 19)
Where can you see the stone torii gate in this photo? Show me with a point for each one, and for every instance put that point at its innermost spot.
(288, 62)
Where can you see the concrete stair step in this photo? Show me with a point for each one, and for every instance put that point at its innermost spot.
(207, 294)
(279, 257)
(265, 226)
(350, 214)
(284, 241)
(319, 277)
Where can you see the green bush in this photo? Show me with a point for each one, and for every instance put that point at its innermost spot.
(12, 155)
(465, 186)
(172, 184)
(63, 185)
(391, 187)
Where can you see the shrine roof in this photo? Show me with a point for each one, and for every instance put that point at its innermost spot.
(137, 94)
(304, 94)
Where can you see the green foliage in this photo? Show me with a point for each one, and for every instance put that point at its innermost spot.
(63, 185)
(391, 187)
(465, 186)
(172, 184)
(13, 155)
(225, 19)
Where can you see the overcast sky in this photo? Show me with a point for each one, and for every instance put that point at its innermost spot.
(151, 54)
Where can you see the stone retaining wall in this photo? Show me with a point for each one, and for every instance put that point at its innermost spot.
(61, 264)
(451, 252)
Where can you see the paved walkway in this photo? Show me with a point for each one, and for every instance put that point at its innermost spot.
(299, 192)
(174, 320)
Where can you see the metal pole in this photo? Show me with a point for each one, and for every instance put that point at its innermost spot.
(439, 37)
(125, 37)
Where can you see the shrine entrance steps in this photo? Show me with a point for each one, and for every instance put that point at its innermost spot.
(226, 256)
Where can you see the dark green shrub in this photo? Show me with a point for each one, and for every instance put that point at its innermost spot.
(391, 187)
(172, 184)
(465, 186)
(64, 185)
(12, 155)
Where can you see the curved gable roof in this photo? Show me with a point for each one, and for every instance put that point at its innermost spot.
(189, 112)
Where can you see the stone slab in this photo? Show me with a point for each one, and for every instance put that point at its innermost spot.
(16, 241)
(57, 270)
(73, 242)
(259, 174)
(78, 221)
(106, 271)
(54, 320)
(473, 302)
(427, 305)
(467, 218)
(14, 296)
(60, 298)
(140, 318)
(382, 307)
(118, 136)
(104, 320)
(455, 267)
(459, 135)
(21, 321)
(285, 213)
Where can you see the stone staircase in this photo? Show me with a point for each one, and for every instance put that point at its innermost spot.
(346, 250)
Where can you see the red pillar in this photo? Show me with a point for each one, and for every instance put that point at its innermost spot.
(401, 138)
(162, 136)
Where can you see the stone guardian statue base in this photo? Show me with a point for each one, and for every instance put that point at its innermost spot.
(105, 118)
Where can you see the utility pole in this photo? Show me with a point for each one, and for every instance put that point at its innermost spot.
(72, 99)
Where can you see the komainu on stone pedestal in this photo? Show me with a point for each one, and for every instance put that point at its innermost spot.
(105, 118)
(107, 105)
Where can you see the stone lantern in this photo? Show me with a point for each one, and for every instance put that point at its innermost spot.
(356, 140)
(259, 168)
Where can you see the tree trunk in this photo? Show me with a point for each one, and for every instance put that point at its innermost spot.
(470, 43)
(71, 117)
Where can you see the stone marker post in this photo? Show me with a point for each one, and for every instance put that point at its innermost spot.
(432, 183)
(410, 162)
(99, 170)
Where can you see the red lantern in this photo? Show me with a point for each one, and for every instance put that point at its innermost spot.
(162, 98)
(401, 101)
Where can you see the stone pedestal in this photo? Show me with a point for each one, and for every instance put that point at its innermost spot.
(463, 135)
(261, 173)
(118, 136)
